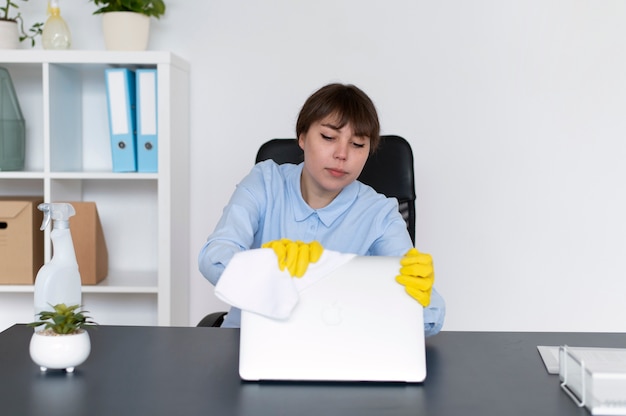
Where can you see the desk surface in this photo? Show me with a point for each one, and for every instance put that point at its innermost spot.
(194, 371)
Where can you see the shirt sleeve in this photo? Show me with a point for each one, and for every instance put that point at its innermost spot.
(395, 241)
(393, 238)
(434, 314)
(236, 228)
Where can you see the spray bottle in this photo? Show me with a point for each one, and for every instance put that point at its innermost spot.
(55, 34)
(58, 281)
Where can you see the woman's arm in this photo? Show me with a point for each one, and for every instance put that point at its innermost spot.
(236, 228)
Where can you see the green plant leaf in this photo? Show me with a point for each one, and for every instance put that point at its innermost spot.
(154, 8)
(64, 319)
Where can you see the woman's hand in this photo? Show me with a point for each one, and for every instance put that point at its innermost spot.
(417, 275)
(295, 255)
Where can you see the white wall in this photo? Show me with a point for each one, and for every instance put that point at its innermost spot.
(515, 111)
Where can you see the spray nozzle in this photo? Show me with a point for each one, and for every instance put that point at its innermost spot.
(53, 7)
(61, 211)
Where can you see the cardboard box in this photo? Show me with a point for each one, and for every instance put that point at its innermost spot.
(21, 241)
(89, 244)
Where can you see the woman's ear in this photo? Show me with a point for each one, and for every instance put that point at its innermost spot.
(301, 141)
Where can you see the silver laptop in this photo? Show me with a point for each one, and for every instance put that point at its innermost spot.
(356, 324)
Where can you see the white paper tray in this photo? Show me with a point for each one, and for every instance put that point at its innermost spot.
(595, 378)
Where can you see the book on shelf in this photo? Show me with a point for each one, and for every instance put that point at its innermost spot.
(121, 103)
(147, 125)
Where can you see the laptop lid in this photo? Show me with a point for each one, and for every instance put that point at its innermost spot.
(356, 324)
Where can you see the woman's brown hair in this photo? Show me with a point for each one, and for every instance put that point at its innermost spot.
(349, 104)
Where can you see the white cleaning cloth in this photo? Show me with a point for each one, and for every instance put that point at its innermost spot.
(253, 282)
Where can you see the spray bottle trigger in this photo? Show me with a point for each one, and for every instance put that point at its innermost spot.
(46, 215)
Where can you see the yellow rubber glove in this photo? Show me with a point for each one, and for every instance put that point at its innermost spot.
(417, 275)
(295, 255)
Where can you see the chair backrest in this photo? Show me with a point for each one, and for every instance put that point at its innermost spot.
(389, 170)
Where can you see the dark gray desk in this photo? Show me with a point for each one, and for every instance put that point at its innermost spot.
(193, 371)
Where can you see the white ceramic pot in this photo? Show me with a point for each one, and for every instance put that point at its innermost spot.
(59, 351)
(9, 37)
(125, 31)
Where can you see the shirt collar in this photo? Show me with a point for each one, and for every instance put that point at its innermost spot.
(329, 213)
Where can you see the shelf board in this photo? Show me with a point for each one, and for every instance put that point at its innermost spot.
(21, 174)
(131, 282)
(85, 57)
(80, 175)
(104, 175)
(16, 289)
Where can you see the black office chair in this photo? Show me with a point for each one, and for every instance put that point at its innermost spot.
(389, 171)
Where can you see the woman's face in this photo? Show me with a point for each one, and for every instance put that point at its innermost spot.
(333, 158)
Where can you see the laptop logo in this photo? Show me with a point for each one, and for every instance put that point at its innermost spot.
(332, 314)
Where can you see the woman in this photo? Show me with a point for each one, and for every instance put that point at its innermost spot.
(321, 200)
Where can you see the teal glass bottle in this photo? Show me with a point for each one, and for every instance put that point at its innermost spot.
(12, 126)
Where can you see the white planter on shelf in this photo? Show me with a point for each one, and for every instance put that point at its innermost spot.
(59, 352)
(125, 31)
(9, 37)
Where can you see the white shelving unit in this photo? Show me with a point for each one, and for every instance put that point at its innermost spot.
(145, 216)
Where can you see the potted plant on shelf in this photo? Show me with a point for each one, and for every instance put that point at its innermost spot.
(64, 342)
(12, 27)
(126, 23)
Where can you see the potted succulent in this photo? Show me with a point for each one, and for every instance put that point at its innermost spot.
(12, 27)
(63, 343)
(126, 23)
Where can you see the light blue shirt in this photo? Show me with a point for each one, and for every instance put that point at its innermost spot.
(268, 205)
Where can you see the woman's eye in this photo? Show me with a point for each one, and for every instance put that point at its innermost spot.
(326, 137)
(358, 145)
